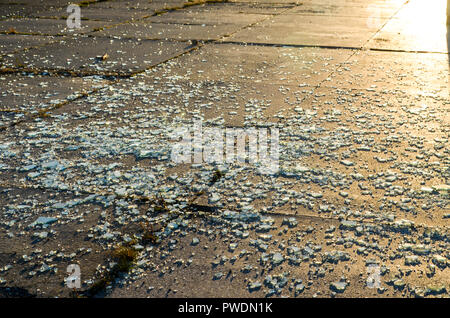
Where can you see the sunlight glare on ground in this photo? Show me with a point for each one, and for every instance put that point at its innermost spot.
(426, 21)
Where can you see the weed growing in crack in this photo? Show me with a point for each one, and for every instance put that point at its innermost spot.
(42, 113)
(216, 176)
(160, 205)
(19, 63)
(124, 256)
(148, 234)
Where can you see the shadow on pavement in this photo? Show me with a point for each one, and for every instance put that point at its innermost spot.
(15, 292)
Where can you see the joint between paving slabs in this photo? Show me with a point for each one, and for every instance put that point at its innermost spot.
(158, 200)
(189, 210)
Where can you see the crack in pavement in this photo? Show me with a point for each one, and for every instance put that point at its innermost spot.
(330, 47)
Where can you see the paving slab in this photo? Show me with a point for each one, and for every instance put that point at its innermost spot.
(373, 10)
(134, 126)
(35, 92)
(245, 8)
(295, 272)
(10, 43)
(34, 255)
(300, 67)
(40, 26)
(268, 2)
(108, 12)
(9, 11)
(203, 22)
(312, 30)
(146, 30)
(100, 128)
(207, 17)
(219, 80)
(86, 54)
(340, 3)
(116, 6)
(342, 115)
(38, 2)
(27, 8)
(416, 74)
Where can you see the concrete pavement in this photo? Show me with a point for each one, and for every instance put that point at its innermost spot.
(359, 91)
